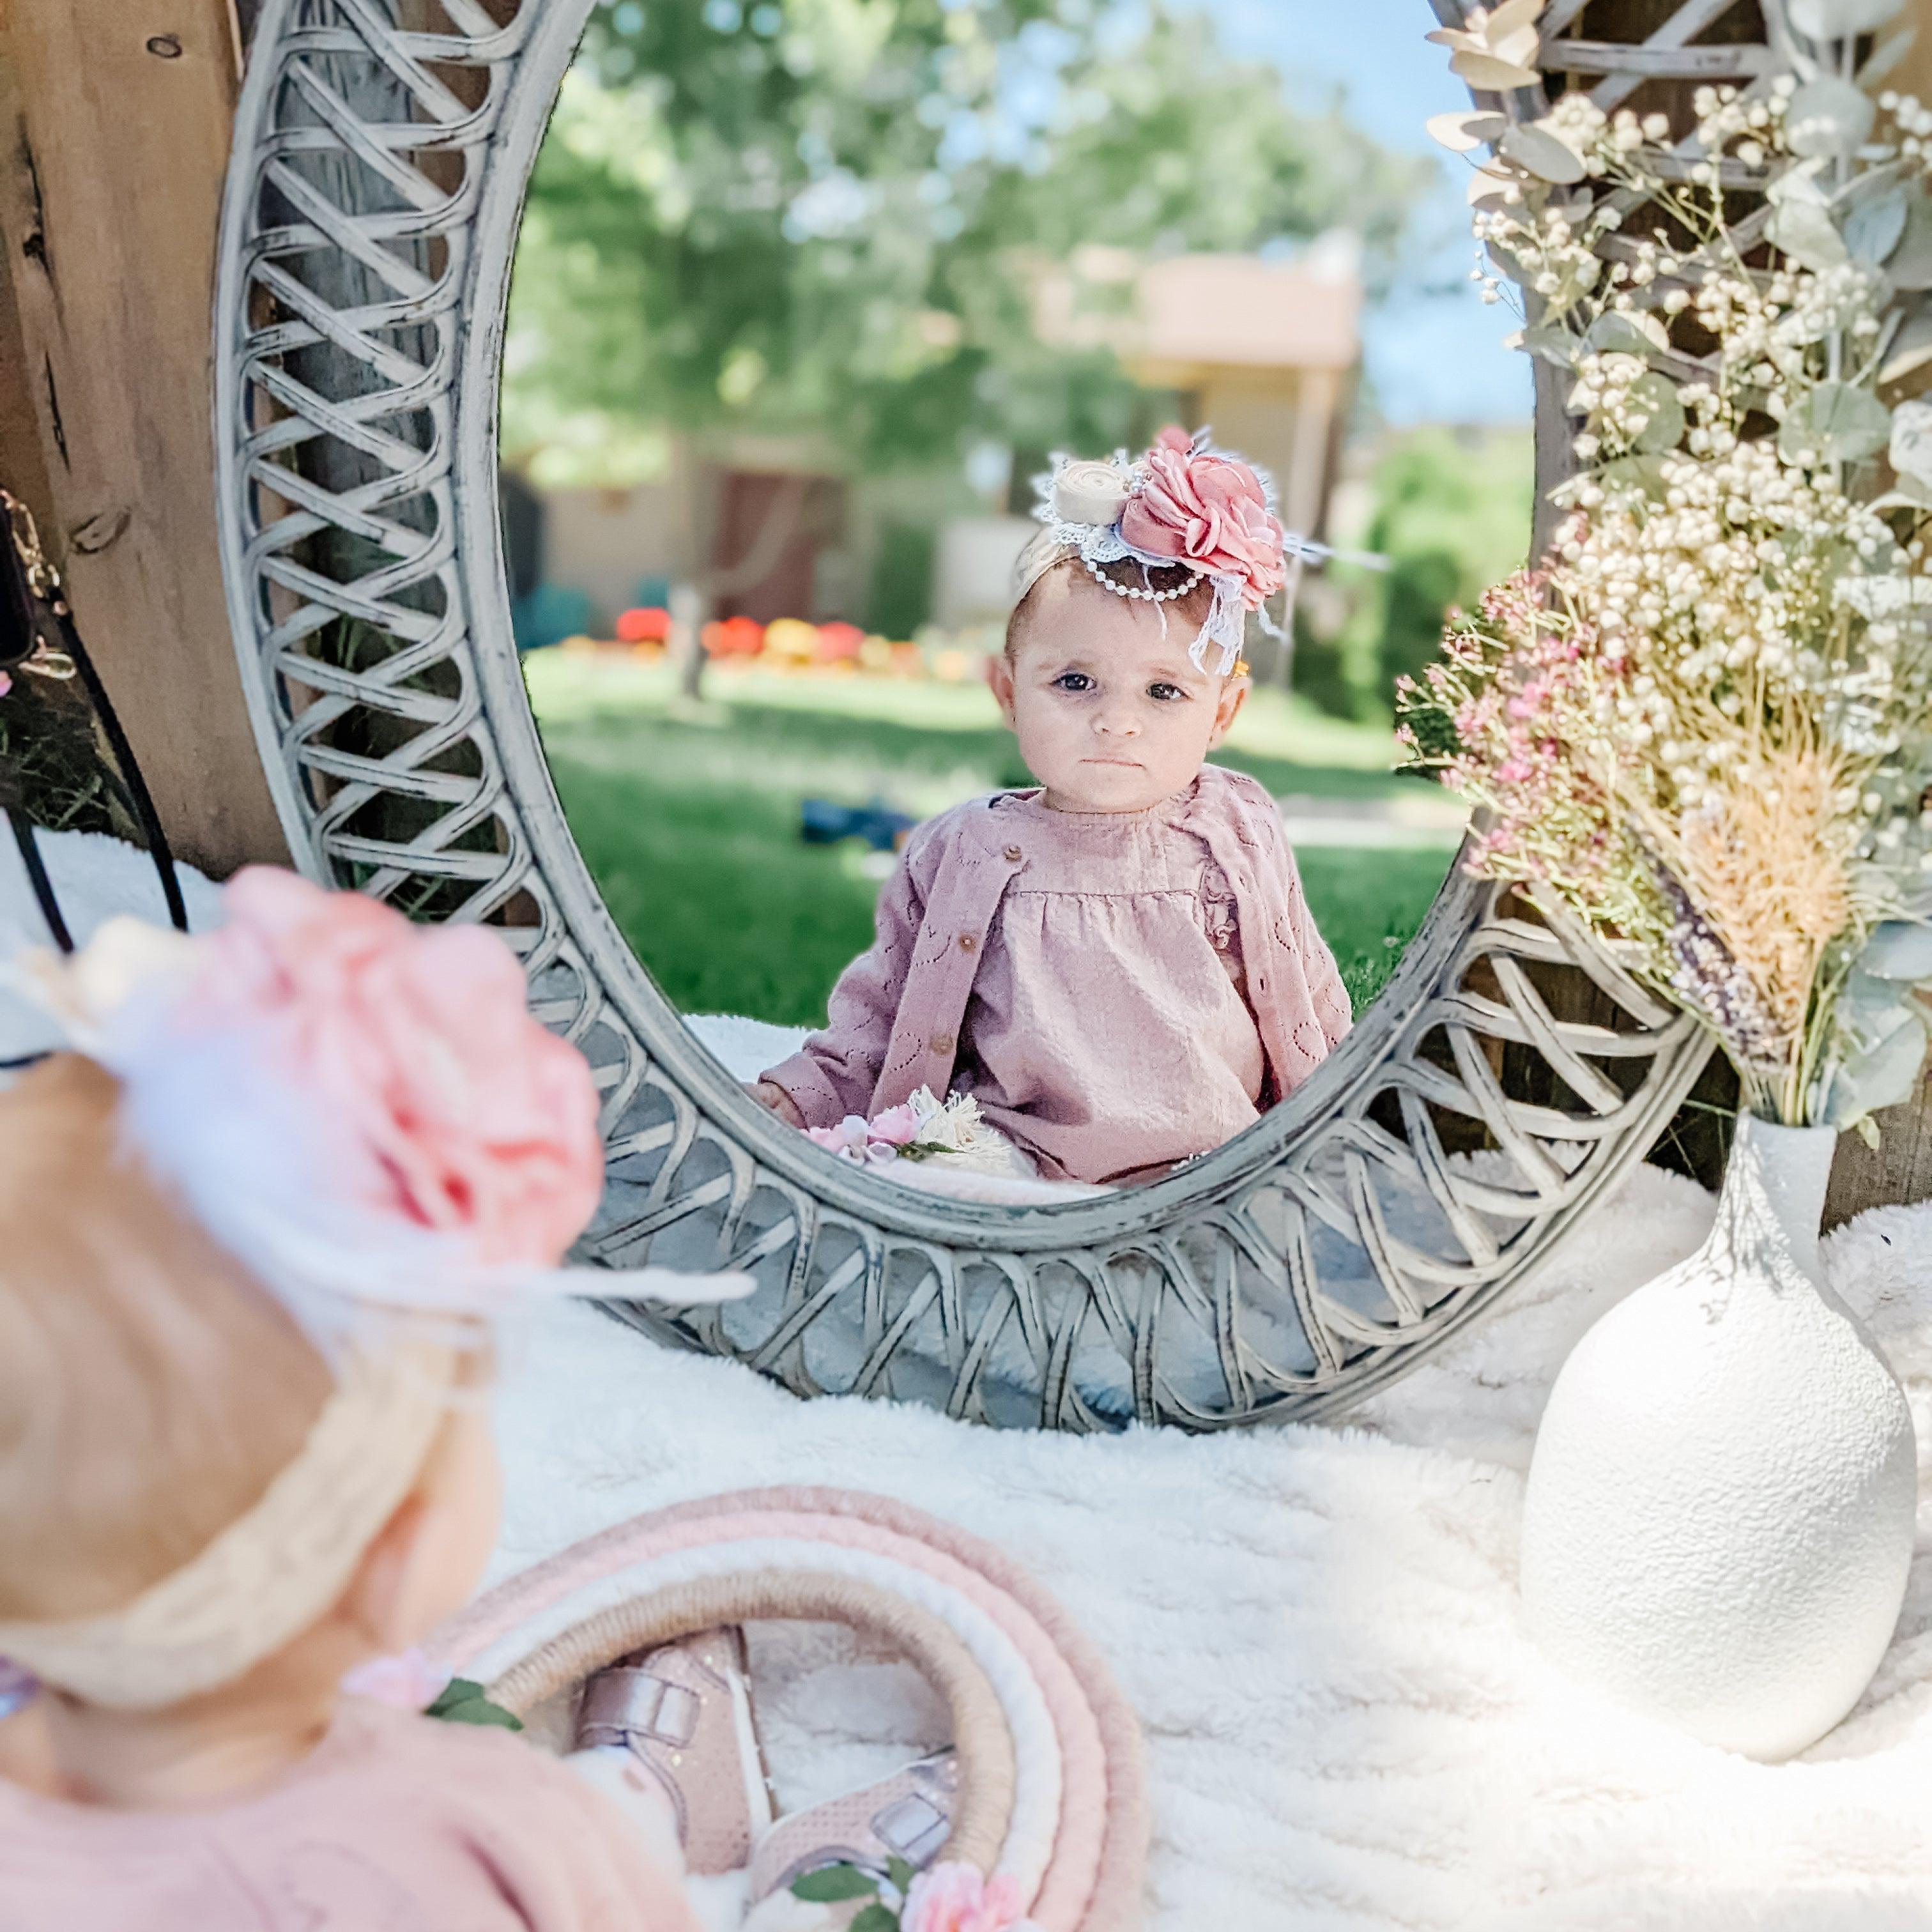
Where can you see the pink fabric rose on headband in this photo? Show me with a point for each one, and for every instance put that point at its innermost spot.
(1207, 511)
(445, 1103)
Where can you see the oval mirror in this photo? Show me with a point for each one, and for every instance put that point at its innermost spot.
(703, 654)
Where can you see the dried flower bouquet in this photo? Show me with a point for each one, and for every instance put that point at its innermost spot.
(1701, 720)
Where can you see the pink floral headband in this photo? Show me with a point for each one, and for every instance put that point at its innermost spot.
(365, 1114)
(361, 1111)
(1183, 503)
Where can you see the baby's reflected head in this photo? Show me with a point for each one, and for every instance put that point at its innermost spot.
(1111, 713)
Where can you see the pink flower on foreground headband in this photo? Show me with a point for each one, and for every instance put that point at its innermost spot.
(451, 1107)
(955, 1897)
(361, 1111)
(1208, 511)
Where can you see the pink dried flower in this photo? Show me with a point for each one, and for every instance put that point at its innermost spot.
(897, 1125)
(848, 1137)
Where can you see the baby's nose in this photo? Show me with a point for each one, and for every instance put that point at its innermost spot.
(1116, 721)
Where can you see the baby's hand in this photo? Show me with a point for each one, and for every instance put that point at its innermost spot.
(775, 1099)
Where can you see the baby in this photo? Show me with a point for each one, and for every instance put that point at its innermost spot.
(1117, 965)
(250, 1245)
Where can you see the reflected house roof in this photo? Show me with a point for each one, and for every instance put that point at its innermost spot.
(1178, 321)
(1264, 352)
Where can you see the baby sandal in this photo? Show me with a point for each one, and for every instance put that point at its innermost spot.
(683, 1711)
(904, 1817)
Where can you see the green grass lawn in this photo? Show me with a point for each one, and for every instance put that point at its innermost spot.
(689, 823)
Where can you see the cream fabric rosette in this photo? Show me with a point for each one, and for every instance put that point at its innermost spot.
(1090, 492)
(1079, 508)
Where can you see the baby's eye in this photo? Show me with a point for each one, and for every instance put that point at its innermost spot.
(1073, 680)
(1166, 693)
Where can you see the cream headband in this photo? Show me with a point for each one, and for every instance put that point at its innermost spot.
(364, 1113)
(274, 1570)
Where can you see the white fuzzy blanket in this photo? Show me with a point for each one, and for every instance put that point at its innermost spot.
(94, 876)
(1318, 1625)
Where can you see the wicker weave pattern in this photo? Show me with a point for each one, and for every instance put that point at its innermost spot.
(367, 235)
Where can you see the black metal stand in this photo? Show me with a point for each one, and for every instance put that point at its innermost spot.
(37, 628)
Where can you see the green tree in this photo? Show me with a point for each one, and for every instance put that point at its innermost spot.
(1452, 515)
(825, 214)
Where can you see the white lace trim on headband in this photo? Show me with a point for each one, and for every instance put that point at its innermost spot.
(1097, 545)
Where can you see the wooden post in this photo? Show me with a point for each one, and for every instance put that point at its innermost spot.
(115, 118)
(1913, 74)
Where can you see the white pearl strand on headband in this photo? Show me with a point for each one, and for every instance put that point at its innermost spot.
(1148, 596)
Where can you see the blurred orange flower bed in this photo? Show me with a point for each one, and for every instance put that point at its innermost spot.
(790, 644)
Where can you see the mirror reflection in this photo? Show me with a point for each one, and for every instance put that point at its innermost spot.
(1010, 819)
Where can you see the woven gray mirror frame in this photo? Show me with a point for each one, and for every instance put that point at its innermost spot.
(1506, 1079)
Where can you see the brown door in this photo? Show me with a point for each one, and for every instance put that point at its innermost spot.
(809, 511)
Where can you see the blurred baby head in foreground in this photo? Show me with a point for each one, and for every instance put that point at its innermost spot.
(253, 1234)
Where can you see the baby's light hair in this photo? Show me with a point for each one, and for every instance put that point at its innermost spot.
(150, 1389)
(1071, 576)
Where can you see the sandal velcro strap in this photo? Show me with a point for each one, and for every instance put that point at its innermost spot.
(620, 1704)
(914, 1828)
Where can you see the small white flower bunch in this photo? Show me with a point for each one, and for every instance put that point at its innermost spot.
(951, 1132)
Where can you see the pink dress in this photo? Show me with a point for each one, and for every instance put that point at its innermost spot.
(1119, 991)
(1104, 1025)
(393, 1823)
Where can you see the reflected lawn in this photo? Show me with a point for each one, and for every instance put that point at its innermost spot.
(689, 823)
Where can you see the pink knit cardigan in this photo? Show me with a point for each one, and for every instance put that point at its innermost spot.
(897, 1011)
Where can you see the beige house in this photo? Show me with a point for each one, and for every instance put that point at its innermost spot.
(1266, 353)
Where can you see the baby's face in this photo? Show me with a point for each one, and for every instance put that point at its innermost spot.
(1111, 715)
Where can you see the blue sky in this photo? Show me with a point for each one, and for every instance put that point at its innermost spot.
(1432, 357)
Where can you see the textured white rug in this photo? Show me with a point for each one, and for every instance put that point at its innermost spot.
(1318, 1625)
(94, 876)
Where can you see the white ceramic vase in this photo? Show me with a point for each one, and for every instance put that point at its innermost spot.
(1720, 1512)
